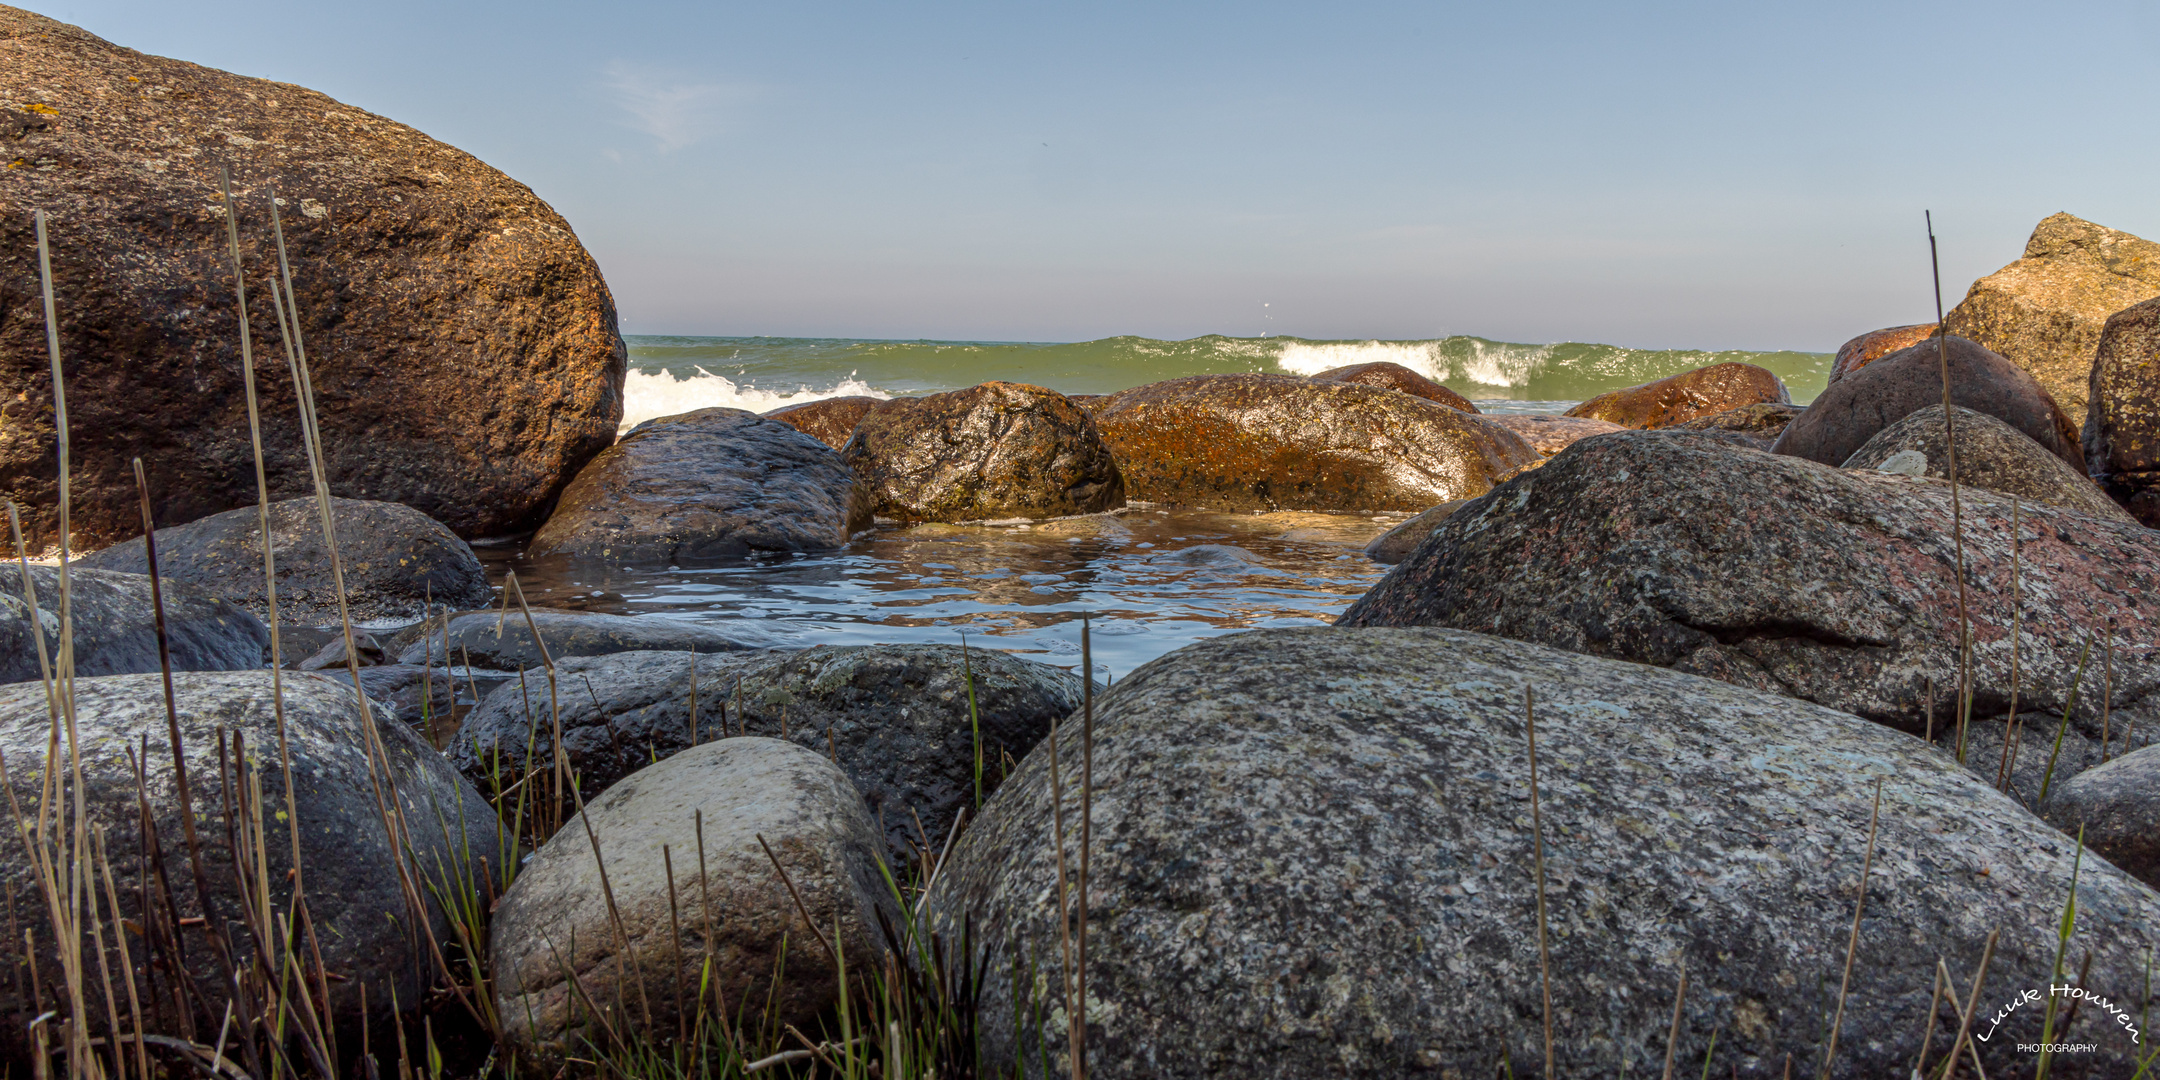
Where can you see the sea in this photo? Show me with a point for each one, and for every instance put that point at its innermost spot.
(1144, 581)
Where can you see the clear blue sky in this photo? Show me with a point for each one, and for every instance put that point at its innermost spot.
(1724, 175)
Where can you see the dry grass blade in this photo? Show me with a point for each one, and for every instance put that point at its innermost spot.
(1852, 945)
(1957, 506)
(1537, 839)
(2017, 633)
(1087, 828)
(1672, 1038)
(1972, 1003)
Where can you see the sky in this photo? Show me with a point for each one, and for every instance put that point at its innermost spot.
(1668, 175)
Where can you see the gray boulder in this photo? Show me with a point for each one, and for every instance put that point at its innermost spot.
(737, 914)
(1832, 585)
(710, 484)
(2118, 806)
(115, 625)
(1762, 422)
(396, 560)
(349, 862)
(567, 634)
(997, 450)
(1312, 856)
(414, 694)
(1991, 455)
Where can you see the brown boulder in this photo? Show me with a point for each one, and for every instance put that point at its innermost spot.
(1548, 435)
(2122, 424)
(997, 450)
(1397, 377)
(715, 483)
(1876, 344)
(1761, 424)
(466, 359)
(1991, 455)
(829, 421)
(1278, 442)
(1678, 398)
(1852, 409)
(2045, 311)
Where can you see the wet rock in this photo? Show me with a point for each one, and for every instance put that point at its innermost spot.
(557, 919)
(1761, 423)
(829, 421)
(1313, 856)
(1836, 586)
(1704, 391)
(1277, 442)
(1397, 377)
(1854, 408)
(571, 633)
(2045, 311)
(464, 347)
(1396, 544)
(998, 450)
(1991, 455)
(1549, 435)
(1220, 557)
(115, 625)
(2121, 439)
(333, 653)
(1876, 344)
(895, 717)
(712, 484)
(2118, 806)
(350, 863)
(396, 561)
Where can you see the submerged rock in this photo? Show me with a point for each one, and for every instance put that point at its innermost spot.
(1674, 399)
(115, 626)
(1549, 435)
(351, 865)
(396, 559)
(1313, 856)
(466, 359)
(998, 450)
(569, 633)
(1854, 408)
(1760, 423)
(721, 930)
(829, 420)
(1991, 455)
(1397, 377)
(1836, 586)
(712, 484)
(2045, 311)
(1876, 344)
(1277, 442)
(1396, 544)
(2121, 440)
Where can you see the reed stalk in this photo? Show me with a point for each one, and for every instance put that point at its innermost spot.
(1852, 944)
(1957, 509)
(1672, 1038)
(1537, 839)
(2017, 628)
(1972, 1003)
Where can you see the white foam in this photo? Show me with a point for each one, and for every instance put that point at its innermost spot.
(1494, 363)
(662, 394)
(1311, 358)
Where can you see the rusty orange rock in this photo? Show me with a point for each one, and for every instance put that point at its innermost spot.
(1679, 398)
(1876, 344)
(2122, 428)
(1397, 377)
(829, 421)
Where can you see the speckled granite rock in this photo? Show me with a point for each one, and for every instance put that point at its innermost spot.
(1762, 422)
(828, 420)
(395, 559)
(894, 716)
(1674, 399)
(1549, 435)
(2122, 426)
(2045, 311)
(711, 484)
(2118, 805)
(997, 450)
(1991, 455)
(1397, 377)
(556, 918)
(464, 348)
(1876, 344)
(570, 633)
(1313, 857)
(115, 628)
(353, 885)
(1831, 585)
(1277, 442)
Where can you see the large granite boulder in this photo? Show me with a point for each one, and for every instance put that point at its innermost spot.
(498, 642)
(1761, 424)
(2118, 807)
(115, 627)
(720, 933)
(895, 718)
(828, 420)
(997, 450)
(1397, 377)
(1278, 442)
(2122, 425)
(712, 484)
(397, 561)
(1876, 344)
(1548, 435)
(1991, 455)
(1836, 586)
(2045, 311)
(464, 348)
(1854, 408)
(351, 865)
(1313, 855)
(1674, 399)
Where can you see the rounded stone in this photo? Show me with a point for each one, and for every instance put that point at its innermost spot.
(828, 420)
(1991, 455)
(1675, 399)
(1876, 344)
(115, 627)
(997, 450)
(1397, 377)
